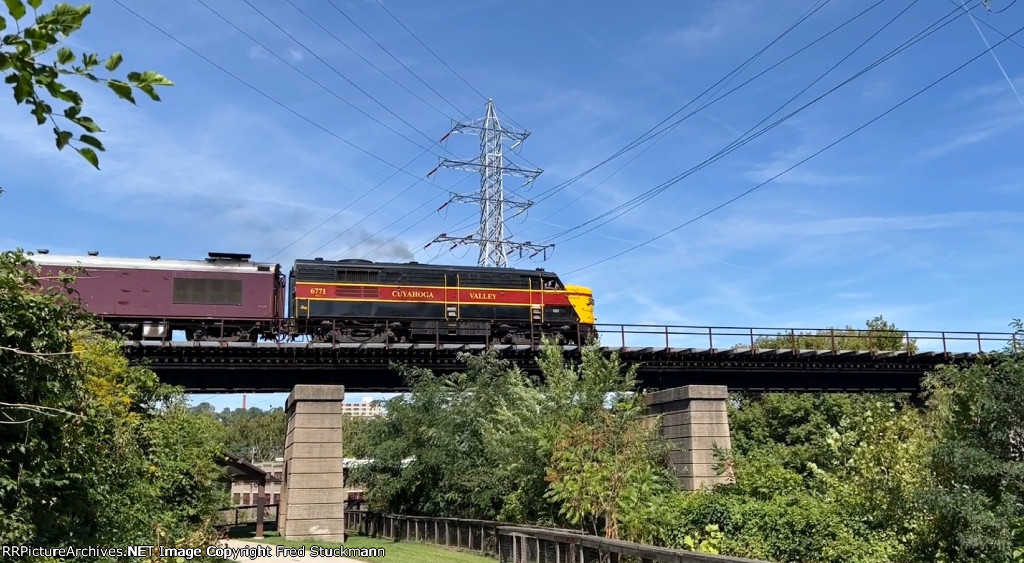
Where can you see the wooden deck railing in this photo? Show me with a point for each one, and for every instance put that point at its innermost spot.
(519, 544)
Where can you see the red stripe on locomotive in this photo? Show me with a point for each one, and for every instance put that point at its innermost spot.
(329, 292)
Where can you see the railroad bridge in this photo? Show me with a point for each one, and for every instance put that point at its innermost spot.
(687, 386)
(666, 356)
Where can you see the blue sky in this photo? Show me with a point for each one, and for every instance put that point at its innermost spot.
(916, 217)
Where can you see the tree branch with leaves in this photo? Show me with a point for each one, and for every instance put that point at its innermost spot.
(40, 84)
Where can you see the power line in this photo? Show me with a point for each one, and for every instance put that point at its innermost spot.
(635, 202)
(815, 154)
(328, 65)
(396, 59)
(431, 51)
(449, 67)
(398, 220)
(366, 60)
(652, 131)
(992, 27)
(343, 209)
(282, 105)
(249, 85)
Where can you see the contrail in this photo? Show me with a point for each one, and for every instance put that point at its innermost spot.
(993, 53)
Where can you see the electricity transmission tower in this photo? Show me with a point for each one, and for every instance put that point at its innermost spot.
(492, 167)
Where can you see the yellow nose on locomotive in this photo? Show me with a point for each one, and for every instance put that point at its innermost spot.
(582, 300)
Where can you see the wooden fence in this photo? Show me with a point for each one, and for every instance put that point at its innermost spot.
(519, 544)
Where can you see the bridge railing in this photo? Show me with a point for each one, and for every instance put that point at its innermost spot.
(726, 337)
(519, 544)
(834, 339)
(532, 545)
(457, 533)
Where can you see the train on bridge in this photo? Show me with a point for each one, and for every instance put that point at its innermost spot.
(229, 297)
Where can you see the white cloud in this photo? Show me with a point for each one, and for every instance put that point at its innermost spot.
(193, 181)
(690, 36)
(972, 134)
(803, 174)
(259, 53)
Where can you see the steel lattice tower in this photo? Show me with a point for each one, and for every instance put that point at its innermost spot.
(492, 167)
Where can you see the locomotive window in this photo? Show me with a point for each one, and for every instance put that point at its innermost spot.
(207, 291)
(553, 283)
(357, 276)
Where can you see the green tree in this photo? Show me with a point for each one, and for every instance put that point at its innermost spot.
(456, 445)
(490, 443)
(878, 335)
(976, 504)
(255, 434)
(35, 62)
(357, 436)
(607, 468)
(95, 451)
(819, 476)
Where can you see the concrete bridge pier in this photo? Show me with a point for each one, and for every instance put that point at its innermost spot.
(694, 421)
(313, 495)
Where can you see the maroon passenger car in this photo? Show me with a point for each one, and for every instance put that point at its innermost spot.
(150, 298)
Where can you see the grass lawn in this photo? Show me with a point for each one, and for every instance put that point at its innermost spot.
(406, 551)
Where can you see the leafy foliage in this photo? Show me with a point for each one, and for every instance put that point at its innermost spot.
(40, 84)
(95, 451)
(255, 434)
(463, 437)
(976, 501)
(867, 478)
(357, 436)
(490, 443)
(878, 335)
(606, 466)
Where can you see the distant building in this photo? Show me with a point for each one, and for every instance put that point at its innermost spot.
(368, 407)
(245, 493)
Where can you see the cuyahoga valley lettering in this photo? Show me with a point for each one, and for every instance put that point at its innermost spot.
(412, 294)
(485, 296)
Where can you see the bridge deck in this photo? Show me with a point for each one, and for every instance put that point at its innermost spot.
(274, 366)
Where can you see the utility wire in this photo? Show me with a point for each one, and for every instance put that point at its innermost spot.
(995, 57)
(720, 84)
(398, 220)
(661, 134)
(431, 51)
(249, 85)
(650, 133)
(621, 209)
(279, 103)
(815, 154)
(992, 27)
(328, 65)
(343, 209)
(452, 70)
(366, 60)
(396, 59)
(327, 204)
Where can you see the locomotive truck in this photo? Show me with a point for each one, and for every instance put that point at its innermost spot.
(228, 297)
